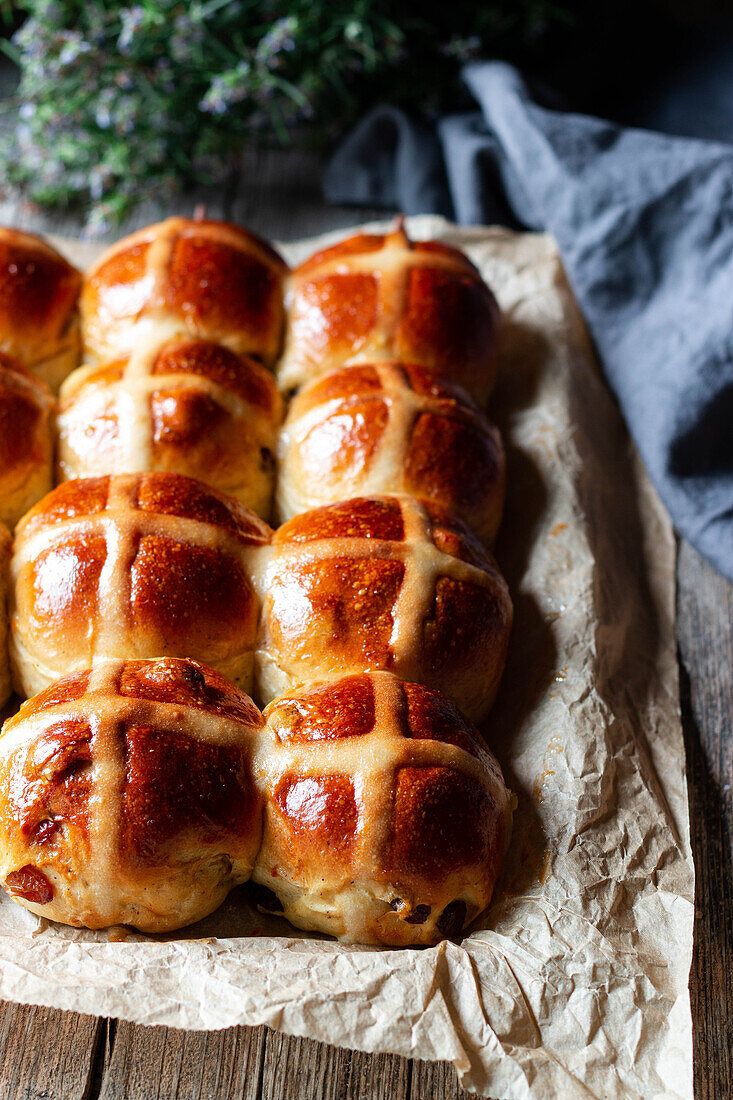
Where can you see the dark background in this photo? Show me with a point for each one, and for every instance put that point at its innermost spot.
(660, 65)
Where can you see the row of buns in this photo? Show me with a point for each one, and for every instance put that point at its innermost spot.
(141, 792)
(145, 565)
(372, 296)
(182, 324)
(219, 392)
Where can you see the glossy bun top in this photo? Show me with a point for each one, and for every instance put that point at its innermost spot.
(391, 427)
(205, 279)
(39, 291)
(386, 817)
(375, 296)
(126, 795)
(382, 583)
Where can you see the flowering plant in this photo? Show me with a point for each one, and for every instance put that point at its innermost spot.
(116, 102)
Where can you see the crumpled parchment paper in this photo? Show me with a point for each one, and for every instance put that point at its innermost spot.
(574, 984)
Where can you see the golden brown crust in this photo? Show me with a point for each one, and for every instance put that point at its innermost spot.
(5, 679)
(390, 427)
(385, 296)
(26, 440)
(39, 291)
(132, 793)
(383, 583)
(129, 791)
(126, 795)
(139, 565)
(191, 407)
(204, 279)
(386, 817)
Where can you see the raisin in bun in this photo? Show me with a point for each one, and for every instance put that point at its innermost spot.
(203, 279)
(39, 318)
(386, 818)
(126, 795)
(391, 427)
(387, 297)
(133, 566)
(189, 406)
(26, 440)
(387, 583)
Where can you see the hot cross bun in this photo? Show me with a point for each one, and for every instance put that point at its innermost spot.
(26, 440)
(389, 427)
(189, 406)
(384, 296)
(126, 795)
(382, 583)
(386, 817)
(131, 566)
(204, 279)
(39, 318)
(142, 785)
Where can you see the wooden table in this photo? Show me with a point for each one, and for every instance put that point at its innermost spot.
(52, 1054)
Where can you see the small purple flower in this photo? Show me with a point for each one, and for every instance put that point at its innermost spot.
(132, 20)
(23, 134)
(103, 109)
(226, 89)
(72, 48)
(100, 179)
(100, 220)
(188, 33)
(281, 38)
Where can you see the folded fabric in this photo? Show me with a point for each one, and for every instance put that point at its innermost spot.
(644, 222)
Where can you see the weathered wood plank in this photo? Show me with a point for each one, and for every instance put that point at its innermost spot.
(297, 1068)
(276, 193)
(279, 196)
(377, 1075)
(45, 1053)
(158, 1063)
(705, 636)
(70, 222)
(435, 1079)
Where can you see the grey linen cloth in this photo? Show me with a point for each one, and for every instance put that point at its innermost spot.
(644, 223)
